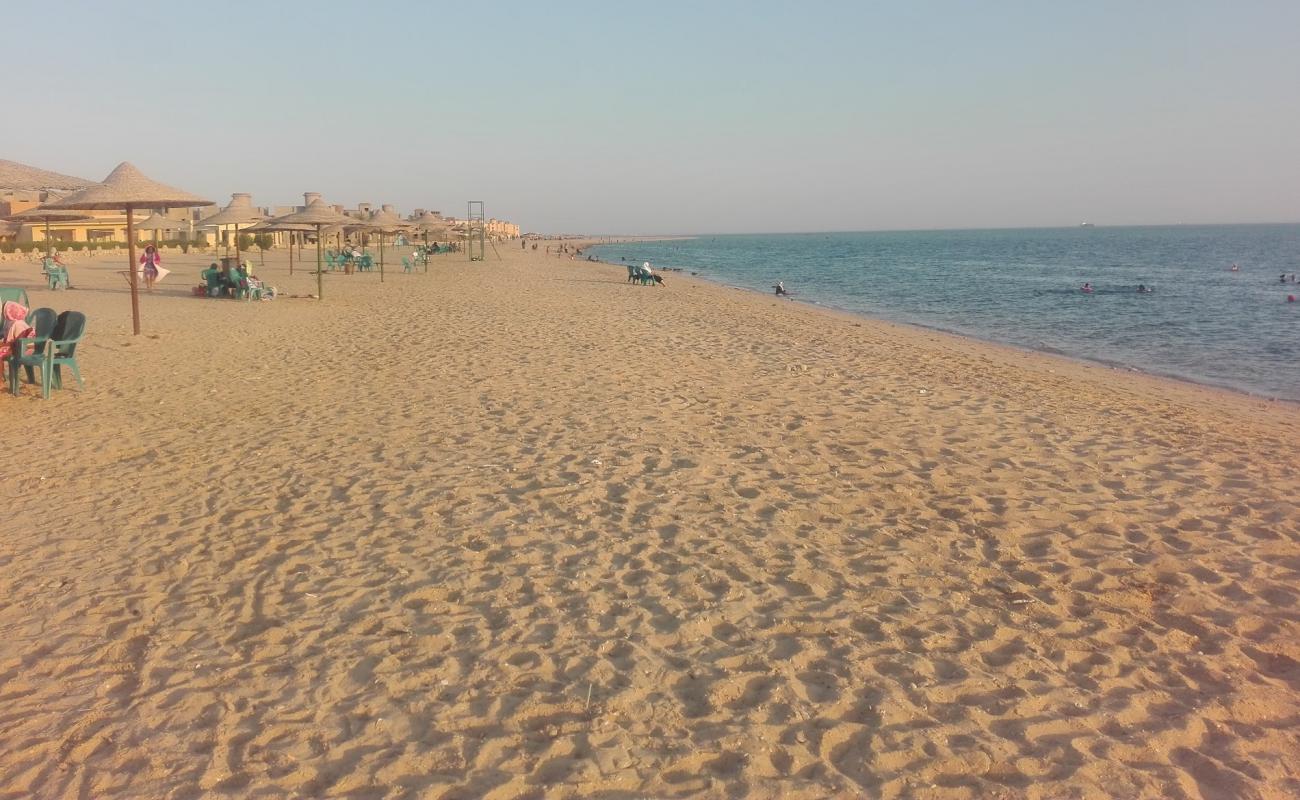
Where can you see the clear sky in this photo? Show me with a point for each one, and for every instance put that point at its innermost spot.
(679, 117)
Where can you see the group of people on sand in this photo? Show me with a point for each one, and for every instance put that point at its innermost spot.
(231, 281)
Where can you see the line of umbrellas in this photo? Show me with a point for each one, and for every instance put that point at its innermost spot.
(127, 189)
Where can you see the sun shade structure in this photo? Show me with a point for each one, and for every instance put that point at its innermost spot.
(239, 211)
(23, 178)
(270, 226)
(428, 223)
(126, 189)
(318, 215)
(384, 221)
(157, 222)
(46, 215)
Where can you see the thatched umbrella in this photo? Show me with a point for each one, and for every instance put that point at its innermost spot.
(318, 215)
(157, 222)
(126, 189)
(270, 226)
(45, 215)
(384, 221)
(428, 223)
(239, 211)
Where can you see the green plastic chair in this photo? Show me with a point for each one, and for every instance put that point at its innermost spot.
(406, 264)
(367, 263)
(16, 294)
(42, 321)
(61, 351)
(331, 261)
(57, 276)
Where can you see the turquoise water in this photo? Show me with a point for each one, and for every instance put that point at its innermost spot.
(1203, 323)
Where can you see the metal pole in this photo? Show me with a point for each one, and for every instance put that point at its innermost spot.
(135, 285)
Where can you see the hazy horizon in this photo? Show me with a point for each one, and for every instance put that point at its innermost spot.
(682, 119)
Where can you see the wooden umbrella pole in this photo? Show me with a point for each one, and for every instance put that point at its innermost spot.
(381, 256)
(320, 285)
(135, 285)
(290, 252)
(239, 257)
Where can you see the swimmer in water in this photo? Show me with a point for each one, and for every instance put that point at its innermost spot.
(780, 289)
(1234, 268)
(1144, 289)
(1086, 288)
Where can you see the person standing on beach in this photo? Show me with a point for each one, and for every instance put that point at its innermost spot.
(151, 261)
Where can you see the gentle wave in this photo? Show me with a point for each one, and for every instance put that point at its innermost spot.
(1203, 323)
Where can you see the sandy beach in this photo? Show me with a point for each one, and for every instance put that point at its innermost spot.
(518, 529)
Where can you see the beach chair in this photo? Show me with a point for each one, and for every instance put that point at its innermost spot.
(61, 351)
(331, 261)
(406, 264)
(42, 321)
(16, 294)
(633, 273)
(56, 276)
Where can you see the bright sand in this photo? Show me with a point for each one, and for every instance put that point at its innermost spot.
(520, 529)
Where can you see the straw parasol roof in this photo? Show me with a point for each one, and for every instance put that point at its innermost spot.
(22, 178)
(157, 222)
(127, 187)
(317, 213)
(319, 216)
(271, 226)
(43, 214)
(386, 221)
(239, 211)
(430, 223)
(46, 215)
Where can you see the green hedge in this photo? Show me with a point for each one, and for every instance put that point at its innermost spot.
(77, 247)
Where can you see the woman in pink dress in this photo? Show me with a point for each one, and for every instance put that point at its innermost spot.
(151, 261)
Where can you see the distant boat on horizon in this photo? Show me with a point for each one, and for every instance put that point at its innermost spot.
(1086, 225)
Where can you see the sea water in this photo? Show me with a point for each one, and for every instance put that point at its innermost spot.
(1203, 322)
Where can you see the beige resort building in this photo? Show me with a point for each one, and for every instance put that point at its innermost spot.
(23, 187)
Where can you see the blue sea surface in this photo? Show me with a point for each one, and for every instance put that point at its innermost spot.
(1203, 323)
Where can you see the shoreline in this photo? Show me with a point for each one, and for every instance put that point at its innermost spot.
(1117, 366)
